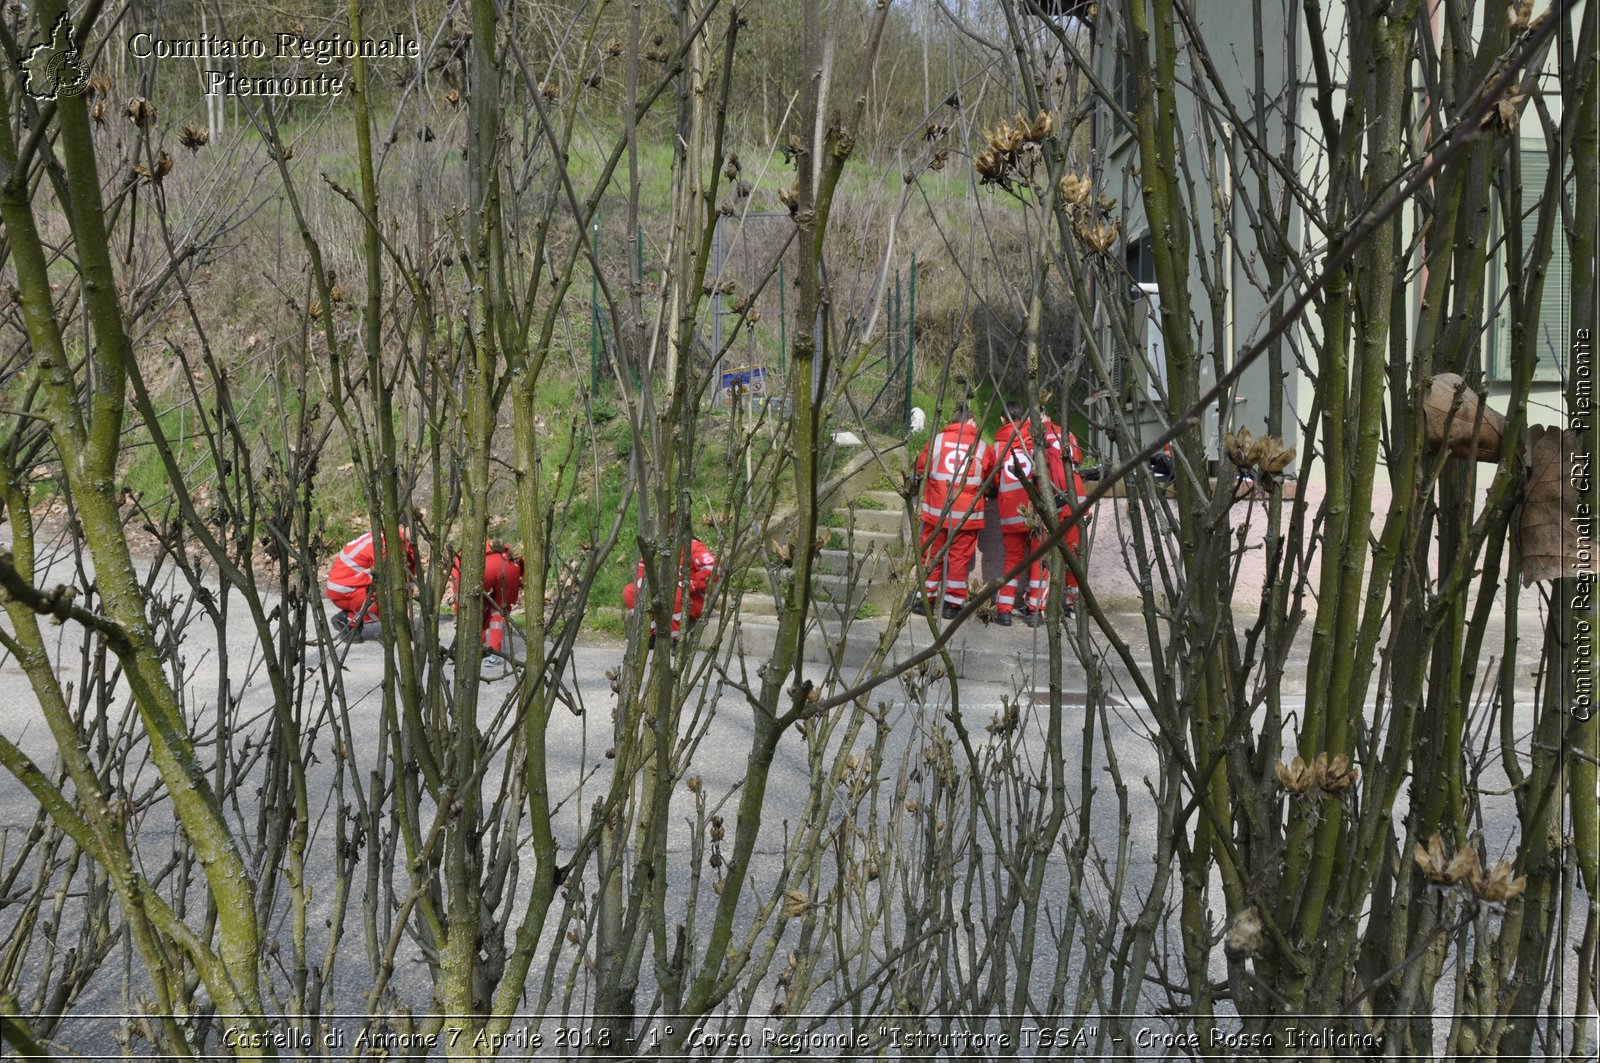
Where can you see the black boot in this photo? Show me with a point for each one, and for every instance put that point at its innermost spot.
(1003, 619)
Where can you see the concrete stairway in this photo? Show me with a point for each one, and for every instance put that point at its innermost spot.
(857, 572)
(867, 572)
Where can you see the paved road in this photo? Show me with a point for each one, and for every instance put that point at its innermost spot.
(719, 717)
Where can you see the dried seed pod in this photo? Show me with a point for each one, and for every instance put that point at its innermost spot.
(1075, 189)
(793, 149)
(193, 137)
(1294, 777)
(1437, 867)
(1339, 774)
(1462, 867)
(1506, 113)
(1432, 860)
(141, 112)
(1097, 236)
(1498, 886)
(790, 197)
(1279, 460)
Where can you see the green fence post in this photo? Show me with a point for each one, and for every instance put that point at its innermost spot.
(911, 338)
(594, 311)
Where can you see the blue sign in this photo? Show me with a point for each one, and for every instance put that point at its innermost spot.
(749, 379)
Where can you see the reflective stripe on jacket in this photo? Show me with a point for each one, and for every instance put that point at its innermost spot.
(702, 573)
(954, 466)
(1015, 452)
(352, 568)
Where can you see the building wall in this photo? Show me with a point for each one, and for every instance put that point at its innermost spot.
(1244, 315)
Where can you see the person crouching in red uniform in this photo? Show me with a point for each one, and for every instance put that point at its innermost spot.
(701, 575)
(953, 469)
(502, 586)
(350, 584)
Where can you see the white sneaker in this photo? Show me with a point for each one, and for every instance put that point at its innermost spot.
(494, 667)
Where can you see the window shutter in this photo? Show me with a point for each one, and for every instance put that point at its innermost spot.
(1554, 300)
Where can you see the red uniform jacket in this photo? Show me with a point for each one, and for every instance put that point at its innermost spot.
(352, 569)
(502, 576)
(1014, 442)
(954, 466)
(702, 573)
(1054, 438)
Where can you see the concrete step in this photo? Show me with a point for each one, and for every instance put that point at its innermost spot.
(758, 604)
(991, 653)
(843, 580)
(842, 593)
(869, 563)
(833, 602)
(888, 500)
(891, 544)
(875, 520)
(832, 587)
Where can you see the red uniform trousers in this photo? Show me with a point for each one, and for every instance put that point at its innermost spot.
(1019, 544)
(1071, 580)
(947, 555)
(502, 587)
(360, 606)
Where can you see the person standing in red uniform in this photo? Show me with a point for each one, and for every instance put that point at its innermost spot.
(502, 586)
(1071, 501)
(701, 575)
(1019, 531)
(953, 469)
(350, 581)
